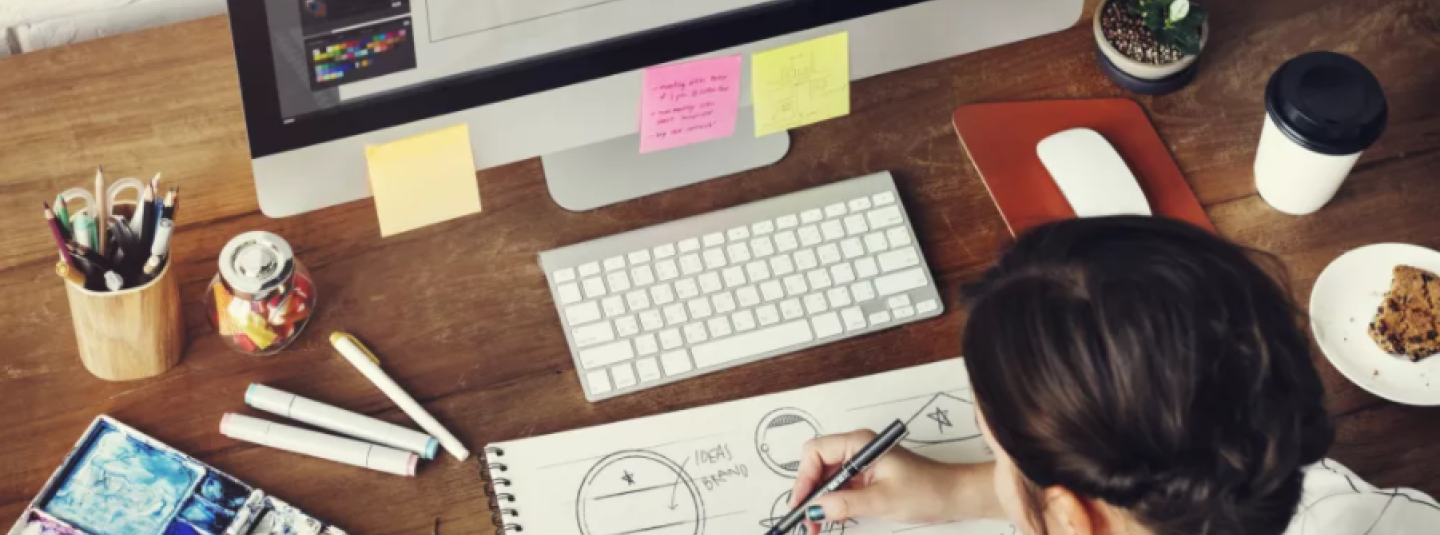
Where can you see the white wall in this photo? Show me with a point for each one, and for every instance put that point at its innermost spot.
(29, 25)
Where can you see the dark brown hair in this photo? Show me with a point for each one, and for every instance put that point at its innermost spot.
(1151, 365)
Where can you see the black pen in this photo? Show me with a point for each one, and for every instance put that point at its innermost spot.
(848, 470)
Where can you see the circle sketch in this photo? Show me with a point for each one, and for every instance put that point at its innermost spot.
(780, 439)
(639, 492)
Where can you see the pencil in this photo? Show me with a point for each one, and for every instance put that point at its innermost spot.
(148, 220)
(102, 213)
(62, 213)
(175, 208)
(58, 235)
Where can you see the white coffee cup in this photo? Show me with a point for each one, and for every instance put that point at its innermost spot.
(1323, 110)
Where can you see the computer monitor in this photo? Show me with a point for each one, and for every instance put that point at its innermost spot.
(560, 79)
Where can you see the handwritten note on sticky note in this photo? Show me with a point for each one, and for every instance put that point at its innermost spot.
(689, 103)
(801, 84)
(423, 180)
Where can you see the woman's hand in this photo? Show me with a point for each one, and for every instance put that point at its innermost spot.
(902, 486)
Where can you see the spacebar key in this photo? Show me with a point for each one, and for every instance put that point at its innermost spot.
(751, 343)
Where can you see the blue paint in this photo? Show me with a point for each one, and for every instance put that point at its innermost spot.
(225, 492)
(123, 486)
(181, 528)
(207, 516)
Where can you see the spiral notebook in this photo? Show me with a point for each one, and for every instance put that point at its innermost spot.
(727, 468)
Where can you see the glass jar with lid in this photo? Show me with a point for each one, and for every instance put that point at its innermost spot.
(262, 298)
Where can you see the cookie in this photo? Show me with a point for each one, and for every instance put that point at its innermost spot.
(1408, 320)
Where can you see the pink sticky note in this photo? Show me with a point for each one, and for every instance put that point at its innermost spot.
(689, 103)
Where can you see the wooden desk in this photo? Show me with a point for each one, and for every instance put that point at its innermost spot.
(461, 313)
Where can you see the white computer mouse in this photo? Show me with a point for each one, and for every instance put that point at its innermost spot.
(1091, 174)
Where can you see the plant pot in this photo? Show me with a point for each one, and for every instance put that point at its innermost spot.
(1140, 70)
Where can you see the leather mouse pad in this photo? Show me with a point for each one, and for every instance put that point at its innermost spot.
(1001, 139)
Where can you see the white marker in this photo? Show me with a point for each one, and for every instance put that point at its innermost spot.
(330, 447)
(282, 403)
(369, 365)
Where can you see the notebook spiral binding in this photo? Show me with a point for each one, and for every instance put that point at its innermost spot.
(503, 512)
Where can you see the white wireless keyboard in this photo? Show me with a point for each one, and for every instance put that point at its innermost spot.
(693, 296)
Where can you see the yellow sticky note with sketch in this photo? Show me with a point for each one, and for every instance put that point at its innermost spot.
(801, 84)
(424, 179)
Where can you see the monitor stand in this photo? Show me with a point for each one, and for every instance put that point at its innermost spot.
(614, 171)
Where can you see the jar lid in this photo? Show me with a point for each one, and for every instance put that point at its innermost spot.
(256, 263)
(1328, 103)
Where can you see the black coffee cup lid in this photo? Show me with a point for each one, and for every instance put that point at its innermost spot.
(1328, 103)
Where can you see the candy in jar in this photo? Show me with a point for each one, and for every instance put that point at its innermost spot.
(263, 296)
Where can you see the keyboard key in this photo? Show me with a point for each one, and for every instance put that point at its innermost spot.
(815, 304)
(738, 233)
(714, 259)
(719, 327)
(662, 294)
(857, 205)
(819, 279)
(564, 275)
(690, 245)
(768, 315)
(639, 257)
(615, 262)
(757, 271)
(569, 293)
(582, 313)
(839, 297)
(900, 281)
(666, 270)
(676, 363)
(599, 381)
(842, 273)
(699, 308)
(590, 268)
(713, 239)
(898, 301)
(686, 288)
(809, 236)
(862, 291)
(854, 319)
(670, 339)
(733, 276)
(875, 242)
(710, 283)
(763, 227)
(828, 253)
(594, 287)
(690, 264)
(794, 285)
(613, 306)
(866, 268)
(624, 376)
(739, 252)
(811, 216)
(747, 296)
(852, 248)
(927, 306)
(592, 334)
(751, 344)
(805, 260)
(791, 309)
(762, 247)
(695, 333)
(675, 315)
(743, 320)
(619, 281)
(785, 241)
(832, 230)
(904, 312)
(642, 276)
(772, 290)
(651, 320)
(899, 259)
(835, 210)
(665, 251)
(826, 325)
(898, 236)
(855, 224)
(787, 221)
(723, 302)
(648, 369)
(882, 199)
(880, 317)
(627, 326)
(884, 217)
(606, 355)
(782, 266)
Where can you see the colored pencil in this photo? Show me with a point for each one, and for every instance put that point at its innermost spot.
(58, 235)
(102, 212)
(62, 213)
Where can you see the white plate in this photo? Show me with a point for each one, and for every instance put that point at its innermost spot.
(1341, 307)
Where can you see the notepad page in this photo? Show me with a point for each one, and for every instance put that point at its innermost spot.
(728, 468)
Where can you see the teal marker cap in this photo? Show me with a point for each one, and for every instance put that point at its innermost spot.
(431, 449)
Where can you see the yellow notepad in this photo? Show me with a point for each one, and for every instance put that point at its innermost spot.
(424, 179)
(801, 84)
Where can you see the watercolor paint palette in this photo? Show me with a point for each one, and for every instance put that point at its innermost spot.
(118, 481)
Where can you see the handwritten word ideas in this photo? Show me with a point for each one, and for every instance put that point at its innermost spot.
(689, 103)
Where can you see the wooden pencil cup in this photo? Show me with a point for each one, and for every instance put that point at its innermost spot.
(130, 334)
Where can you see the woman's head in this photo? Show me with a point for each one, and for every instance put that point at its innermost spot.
(1144, 365)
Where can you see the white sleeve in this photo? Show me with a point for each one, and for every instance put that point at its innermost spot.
(1337, 502)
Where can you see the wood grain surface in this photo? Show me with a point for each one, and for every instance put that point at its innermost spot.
(130, 334)
(460, 311)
